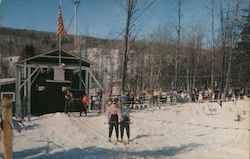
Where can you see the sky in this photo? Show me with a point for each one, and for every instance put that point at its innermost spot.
(102, 18)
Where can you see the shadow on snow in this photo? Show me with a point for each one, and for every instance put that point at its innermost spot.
(104, 153)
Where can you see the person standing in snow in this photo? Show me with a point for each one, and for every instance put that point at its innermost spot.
(113, 114)
(85, 104)
(68, 101)
(124, 123)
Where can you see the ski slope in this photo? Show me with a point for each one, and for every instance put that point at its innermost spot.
(197, 131)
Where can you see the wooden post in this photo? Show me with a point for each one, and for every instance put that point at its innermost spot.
(17, 92)
(105, 92)
(29, 93)
(87, 81)
(7, 128)
(90, 81)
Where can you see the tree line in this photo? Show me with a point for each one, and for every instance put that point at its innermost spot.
(170, 57)
(189, 60)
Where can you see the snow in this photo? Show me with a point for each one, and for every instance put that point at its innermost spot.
(191, 130)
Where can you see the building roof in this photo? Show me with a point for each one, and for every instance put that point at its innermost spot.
(5, 81)
(52, 58)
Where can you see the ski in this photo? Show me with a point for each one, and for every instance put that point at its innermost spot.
(128, 142)
(113, 142)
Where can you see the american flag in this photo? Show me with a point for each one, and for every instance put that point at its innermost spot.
(60, 27)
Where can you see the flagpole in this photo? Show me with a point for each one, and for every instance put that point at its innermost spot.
(59, 50)
(60, 3)
(59, 38)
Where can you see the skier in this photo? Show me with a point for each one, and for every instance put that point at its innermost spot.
(124, 123)
(113, 114)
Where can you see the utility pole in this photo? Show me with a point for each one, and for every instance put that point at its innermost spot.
(76, 4)
(1, 13)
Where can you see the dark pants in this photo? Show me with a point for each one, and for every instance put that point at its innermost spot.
(84, 108)
(124, 125)
(113, 122)
(67, 106)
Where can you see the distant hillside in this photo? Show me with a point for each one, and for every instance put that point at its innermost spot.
(12, 41)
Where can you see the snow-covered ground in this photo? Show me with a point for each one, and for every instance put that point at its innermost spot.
(201, 130)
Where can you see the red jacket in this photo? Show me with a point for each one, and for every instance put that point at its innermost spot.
(85, 100)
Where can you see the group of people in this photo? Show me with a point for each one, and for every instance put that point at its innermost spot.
(118, 116)
(69, 100)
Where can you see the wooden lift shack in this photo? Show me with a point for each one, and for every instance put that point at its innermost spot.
(41, 81)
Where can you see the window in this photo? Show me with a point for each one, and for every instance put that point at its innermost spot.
(5, 94)
(41, 88)
(64, 88)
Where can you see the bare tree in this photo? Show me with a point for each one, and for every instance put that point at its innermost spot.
(232, 43)
(212, 49)
(228, 41)
(196, 43)
(131, 9)
(223, 50)
(178, 30)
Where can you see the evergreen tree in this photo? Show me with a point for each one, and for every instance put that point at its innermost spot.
(28, 51)
(242, 55)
